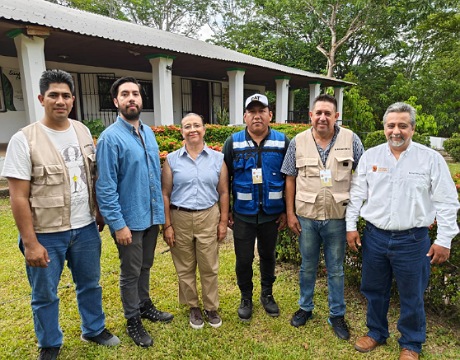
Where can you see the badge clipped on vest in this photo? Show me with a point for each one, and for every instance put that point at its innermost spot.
(325, 177)
(257, 176)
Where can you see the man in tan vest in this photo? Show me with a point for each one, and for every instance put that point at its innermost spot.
(318, 167)
(49, 166)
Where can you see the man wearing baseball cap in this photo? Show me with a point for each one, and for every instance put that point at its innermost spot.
(254, 157)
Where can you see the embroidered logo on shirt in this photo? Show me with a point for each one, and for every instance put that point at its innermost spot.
(375, 168)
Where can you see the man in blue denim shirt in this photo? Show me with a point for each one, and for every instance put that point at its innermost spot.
(129, 197)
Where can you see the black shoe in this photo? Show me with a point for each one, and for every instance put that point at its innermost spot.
(245, 310)
(270, 305)
(137, 332)
(105, 338)
(300, 317)
(340, 327)
(150, 312)
(50, 353)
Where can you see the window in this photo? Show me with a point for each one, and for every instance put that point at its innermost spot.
(106, 101)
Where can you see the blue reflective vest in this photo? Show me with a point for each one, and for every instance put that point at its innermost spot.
(249, 197)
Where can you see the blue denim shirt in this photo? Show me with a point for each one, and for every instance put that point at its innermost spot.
(128, 188)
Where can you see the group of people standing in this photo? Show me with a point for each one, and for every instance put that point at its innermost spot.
(317, 184)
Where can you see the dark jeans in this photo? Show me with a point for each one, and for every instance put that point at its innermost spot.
(400, 255)
(136, 259)
(245, 235)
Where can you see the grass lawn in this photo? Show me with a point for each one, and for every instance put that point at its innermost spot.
(454, 168)
(262, 338)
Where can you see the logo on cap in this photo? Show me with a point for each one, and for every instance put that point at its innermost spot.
(257, 97)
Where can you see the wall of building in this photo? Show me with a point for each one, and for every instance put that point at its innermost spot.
(13, 120)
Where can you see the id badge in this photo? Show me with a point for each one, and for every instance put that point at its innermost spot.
(257, 176)
(326, 177)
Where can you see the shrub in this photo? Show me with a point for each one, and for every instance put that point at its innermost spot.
(218, 133)
(95, 126)
(291, 130)
(287, 248)
(452, 146)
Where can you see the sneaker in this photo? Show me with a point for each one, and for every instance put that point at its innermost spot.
(50, 353)
(105, 338)
(137, 332)
(340, 327)
(270, 305)
(196, 319)
(245, 310)
(150, 312)
(213, 318)
(300, 317)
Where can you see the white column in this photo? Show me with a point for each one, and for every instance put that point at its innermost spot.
(314, 92)
(31, 56)
(338, 94)
(282, 97)
(291, 104)
(236, 95)
(162, 89)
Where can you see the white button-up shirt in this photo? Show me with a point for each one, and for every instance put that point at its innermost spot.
(406, 193)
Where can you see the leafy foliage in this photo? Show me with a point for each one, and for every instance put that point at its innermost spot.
(452, 146)
(95, 126)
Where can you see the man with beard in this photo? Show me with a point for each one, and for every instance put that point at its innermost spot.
(129, 196)
(400, 188)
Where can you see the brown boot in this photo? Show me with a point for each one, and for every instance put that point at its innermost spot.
(365, 344)
(407, 354)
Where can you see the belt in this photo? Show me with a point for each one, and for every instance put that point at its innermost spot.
(174, 207)
(413, 231)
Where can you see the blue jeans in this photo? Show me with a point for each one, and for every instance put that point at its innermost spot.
(331, 234)
(82, 250)
(401, 254)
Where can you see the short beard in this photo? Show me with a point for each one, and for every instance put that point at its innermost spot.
(394, 143)
(132, 115)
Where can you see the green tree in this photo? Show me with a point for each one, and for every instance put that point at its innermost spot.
(425, 124)
(184, 17)
(110, 8)
(357, 113)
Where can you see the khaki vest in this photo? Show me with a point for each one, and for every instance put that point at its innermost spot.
(50, 186)
(312, 199)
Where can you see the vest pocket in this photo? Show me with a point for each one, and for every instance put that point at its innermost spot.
(54, 174)
(38, 175)
(339, 208)
(307, 166)
(47, 211)
(244, 198)
(305, 204)
(343, 167)
(275, 190)
(47, 175)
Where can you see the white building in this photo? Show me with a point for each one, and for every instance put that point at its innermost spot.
(179, 74)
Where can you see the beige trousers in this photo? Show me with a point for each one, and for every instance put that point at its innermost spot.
(196, 244)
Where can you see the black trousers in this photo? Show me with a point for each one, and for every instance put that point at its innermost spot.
(245, 235)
